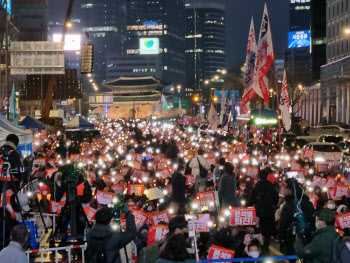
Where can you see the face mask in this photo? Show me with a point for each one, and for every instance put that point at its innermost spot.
(254, 254)
(331, 206)
(182, 172)
(306, 161)
(348, 245)
(293, 144)
(149, 208)
(44, 192)
(246, 250)
(317, 225)
(242, 187)
(59, 183)
(306, 166)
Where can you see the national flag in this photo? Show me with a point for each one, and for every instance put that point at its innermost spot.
(223, 103)
(285, 104)
(13, 106)
(249, 92)
(227, 111)
(265, 57)
(213, 117)
(162, 104)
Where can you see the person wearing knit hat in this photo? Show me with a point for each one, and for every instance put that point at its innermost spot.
(321, 247)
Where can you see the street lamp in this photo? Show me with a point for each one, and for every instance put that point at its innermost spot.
(216, 77)
(206, 82)
(347, 31)
(196, 98)
(224, 71)
(90, 80)
(179, 87)
(69, 24)
(215, 99)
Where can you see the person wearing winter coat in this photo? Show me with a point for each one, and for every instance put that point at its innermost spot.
(102, 233)
(179, 188)
(228, 187)
(265, 199)
(320, 250)
(199, 184)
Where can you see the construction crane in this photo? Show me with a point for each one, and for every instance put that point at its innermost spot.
(55, 123)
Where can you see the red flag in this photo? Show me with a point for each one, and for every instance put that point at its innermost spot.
(265, 57)
(249, 92)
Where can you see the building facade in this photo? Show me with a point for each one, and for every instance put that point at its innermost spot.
(104, 21)
(205, 45)
(335, 81)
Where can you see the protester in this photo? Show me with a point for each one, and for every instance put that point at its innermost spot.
(14, 252)
(194, 165)
(265, 199)
(179, 188)
(228, 187)
(321, 247)
(103, 239)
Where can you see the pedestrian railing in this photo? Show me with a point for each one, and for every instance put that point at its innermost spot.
(265, 259)
(55, 250)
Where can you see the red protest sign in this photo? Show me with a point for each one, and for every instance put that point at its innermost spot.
(322, 167)
(252, 171)
(208, 194)
(136, 189)
(157, 233)
(200, 225)
(272, 178)
(330, 182)
(343, 221)
(50, 172)
(190, 179)
(163, 174)
(160, 217)
(140, 217)
(125, 170)
(118, 188)
(308, 153)
(340, 191)
(216, 252)
(313, 200)
(158, 157)
(137, 173)
(133, 207)
(104, 198)
(74, 157)
(40, 161)
(242, 216)
(317, 181)
(295, 166)
(160, 166)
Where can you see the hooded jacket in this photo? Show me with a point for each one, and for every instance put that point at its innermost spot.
(99, 233)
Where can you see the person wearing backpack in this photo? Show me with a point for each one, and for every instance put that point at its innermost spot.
(228, 187)
(200, 167)
(326, 245)
(104, 243)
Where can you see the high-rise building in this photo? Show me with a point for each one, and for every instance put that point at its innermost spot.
(205, 45)
(298, 53)
(104, 21)
(30, 16)
(155, 34)
(335, 83)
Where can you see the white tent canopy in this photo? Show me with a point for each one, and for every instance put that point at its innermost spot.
(6, 128)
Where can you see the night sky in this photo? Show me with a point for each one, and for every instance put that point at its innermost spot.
(239, 13)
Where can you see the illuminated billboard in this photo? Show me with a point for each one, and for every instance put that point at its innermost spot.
(149, 46)
(299, 39)
(72, 42)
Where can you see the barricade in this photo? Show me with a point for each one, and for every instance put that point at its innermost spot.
(56, 249)
(266, 260)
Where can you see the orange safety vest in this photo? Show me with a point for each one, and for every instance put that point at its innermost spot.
(62, 202)
(9, 207)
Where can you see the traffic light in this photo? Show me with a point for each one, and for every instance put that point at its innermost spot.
(168, 107)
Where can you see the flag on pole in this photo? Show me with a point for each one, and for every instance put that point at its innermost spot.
(213, 117)
(249, 92)
(285, 103)
(155, 108)
(162, 104)
(13, 106)
(223, 103)
(227, 111)
(180, 107)
(265, 57)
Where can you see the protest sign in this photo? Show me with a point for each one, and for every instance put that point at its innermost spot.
(104, 198)
(136, 189)
(157, 233)
(216, 252)
(162, 216)
(242, 216)
(343, 221)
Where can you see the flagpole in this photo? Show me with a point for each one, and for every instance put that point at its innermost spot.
(278, 102)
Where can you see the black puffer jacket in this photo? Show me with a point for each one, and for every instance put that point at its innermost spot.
(265, 199)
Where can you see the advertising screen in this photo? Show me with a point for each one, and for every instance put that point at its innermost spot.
(149, 46)
(299, 1)
(72, 42)
(299, 39)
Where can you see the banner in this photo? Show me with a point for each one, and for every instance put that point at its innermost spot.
(242, 216)
(265, 56)
(157, 233)
(343, 221)
(216, 252)
(136, 189)
(313, 200)
(160, 217)
(104, 198)
(285, 104)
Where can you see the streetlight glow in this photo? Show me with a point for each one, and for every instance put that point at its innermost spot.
(69, 24)
(206, 82)
(347, 31)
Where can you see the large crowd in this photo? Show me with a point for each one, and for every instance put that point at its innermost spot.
(151, 191)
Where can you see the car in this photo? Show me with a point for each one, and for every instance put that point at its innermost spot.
(298, 141)
(288, 135)
(325, 151)
(331, 138)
